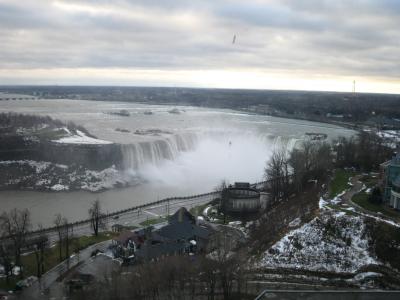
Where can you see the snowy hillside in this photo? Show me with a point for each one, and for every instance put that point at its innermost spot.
(333, 242)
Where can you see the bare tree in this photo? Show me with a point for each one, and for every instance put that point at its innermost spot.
(223, 185)
(67, 232)
(39, 245)
(58, 221)
(6, 259)
(278, 175)
(16, 225)
(209, 276)
(96, 216)
(64, 230)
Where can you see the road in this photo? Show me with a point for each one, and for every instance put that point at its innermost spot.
(357, 186)
(137, 216)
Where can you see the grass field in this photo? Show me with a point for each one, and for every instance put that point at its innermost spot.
(362, 200)
(154, 221)
(339, 182)
(369, 181)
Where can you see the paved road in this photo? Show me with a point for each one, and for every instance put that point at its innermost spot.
(355, 189)
(135, 217)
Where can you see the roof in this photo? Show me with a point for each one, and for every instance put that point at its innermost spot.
(148, 251)
(182, 215)
(127, 235)
(242, 185)
(183, 230)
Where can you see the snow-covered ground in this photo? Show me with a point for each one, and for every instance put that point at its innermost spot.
(80, 138)
(391, 134)
(57, 177)
(334, 242)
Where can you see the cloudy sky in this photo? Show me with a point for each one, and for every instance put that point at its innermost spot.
(280, 44)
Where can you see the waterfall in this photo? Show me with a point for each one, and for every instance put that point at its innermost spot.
(135, 156)
(153, 152)
(287, 143)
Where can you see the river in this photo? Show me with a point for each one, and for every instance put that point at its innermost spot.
(175, 150)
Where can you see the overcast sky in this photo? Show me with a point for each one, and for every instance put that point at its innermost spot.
(309, 44)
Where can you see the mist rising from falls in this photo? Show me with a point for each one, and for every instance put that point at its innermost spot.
(204, 159)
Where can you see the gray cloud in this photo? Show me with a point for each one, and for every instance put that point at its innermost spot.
(320, 36)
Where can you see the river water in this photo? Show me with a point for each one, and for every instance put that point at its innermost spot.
(186, 151)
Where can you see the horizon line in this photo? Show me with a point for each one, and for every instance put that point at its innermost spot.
(198, 88)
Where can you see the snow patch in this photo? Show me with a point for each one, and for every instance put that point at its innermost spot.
(322, 203)
(296, 222)
(59, 187)
(80, 138)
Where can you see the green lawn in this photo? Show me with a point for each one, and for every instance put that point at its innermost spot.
(362, 200)
(52, 256)
(154, 221)
(369, 181)
(339, 182)
(340, 208)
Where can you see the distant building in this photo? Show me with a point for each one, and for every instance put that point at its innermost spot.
(391, 181)
(240, 198)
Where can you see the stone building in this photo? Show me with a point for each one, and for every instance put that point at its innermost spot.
(240, 199)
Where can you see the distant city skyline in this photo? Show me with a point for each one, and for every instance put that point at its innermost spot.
(255, 44)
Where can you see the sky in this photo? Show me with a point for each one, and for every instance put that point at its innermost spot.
(260, 44)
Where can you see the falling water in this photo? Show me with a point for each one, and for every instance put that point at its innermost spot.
(135, 156)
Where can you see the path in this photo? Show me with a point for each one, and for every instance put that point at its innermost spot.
(356, 188)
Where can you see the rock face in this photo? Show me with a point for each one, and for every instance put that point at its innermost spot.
(46, 176)
(91, 156)
(41, 153)
(96, 157)
(30, 163)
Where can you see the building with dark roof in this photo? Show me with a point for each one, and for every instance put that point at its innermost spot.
(181, 235)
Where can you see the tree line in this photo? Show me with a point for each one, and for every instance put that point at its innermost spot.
(15, 239)
(10, 122)
(313, 161)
